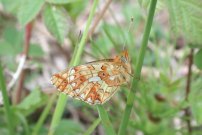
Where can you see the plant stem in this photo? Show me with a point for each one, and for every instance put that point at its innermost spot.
(28, 31)
(75, 61)
(8, 111)
(58, 113)
(131, 96)
(79, 48)
(99, 17)
(105, 121)
(189, 74)
(90, 130)
(187, 110)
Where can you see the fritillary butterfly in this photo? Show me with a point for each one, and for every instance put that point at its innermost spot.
(94, 82)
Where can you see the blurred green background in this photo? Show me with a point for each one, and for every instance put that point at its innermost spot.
(38, 38)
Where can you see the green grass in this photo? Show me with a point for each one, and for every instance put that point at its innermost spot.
(75, 61)
(156, 97)
(105, 121)
(90, 130)
(7, 107)
(44, 115)
(138, 67)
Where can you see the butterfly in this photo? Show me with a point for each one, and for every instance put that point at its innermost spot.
(95, 82)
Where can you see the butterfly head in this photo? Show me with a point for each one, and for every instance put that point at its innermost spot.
(124, 57)
(125, 60)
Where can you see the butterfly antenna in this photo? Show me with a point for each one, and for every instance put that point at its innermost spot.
(131, 22)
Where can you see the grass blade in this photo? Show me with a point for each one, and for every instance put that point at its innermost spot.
(58, 113)
(75, 60)
(131, 96)
(105, 120)
(6, 102)
(90, 130)
(43, 115)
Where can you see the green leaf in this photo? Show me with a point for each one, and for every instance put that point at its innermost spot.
(34, 100)
(69, 127)
(75, 9)
(35, 51)
(62, 1)
(197, 111)
(13, 36)
(143, 3)
(6, 49)
(198, 59)
(174, 85)
(105, 120)
(195, 99)
(22, 119)
(28, 10)
(90, 130)
(55, 20)
(11, 5)
(12, 41)
(165, 79)
(185, 19)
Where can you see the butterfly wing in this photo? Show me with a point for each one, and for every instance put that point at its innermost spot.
(94, 82)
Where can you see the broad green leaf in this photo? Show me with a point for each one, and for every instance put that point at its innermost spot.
(74, 9)
(13, 36)
(35, 51)
(55, 20)
(69, 127)
(11, 5)
(6, 49)
(185, 16)
(29, 10)
(30, 100)
(195, 99)
(198, 59)
(62, 1)
(11, 43)
(34, 100)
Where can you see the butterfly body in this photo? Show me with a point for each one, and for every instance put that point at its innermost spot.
(95, 82)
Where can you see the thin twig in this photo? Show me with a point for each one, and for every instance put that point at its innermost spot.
(18, 72)
(188, 84)
(28, 31)
(98, 18)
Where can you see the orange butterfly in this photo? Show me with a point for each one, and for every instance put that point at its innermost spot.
(95, 82)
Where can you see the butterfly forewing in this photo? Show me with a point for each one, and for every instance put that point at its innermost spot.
(95, 82)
